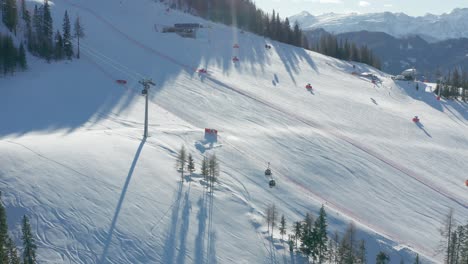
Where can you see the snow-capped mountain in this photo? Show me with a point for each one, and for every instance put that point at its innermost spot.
(431, 27)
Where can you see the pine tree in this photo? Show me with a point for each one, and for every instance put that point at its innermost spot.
(321, 235)
(67, 43)
(282, 227)
(382, 258)
(307, 235)
(213, 167)
(78, 34)
(47, 43)
(190, 164)
(22, 57)
(333, 248)
(347, 245)
(416, 260)
(12, 252)
(36, 36)
(268, 217)
(291, 243)
(58, 50)
(181, 159)
(446, 233)
(274, 218)
(205, 169)
(29, 245)
(297, 229)
(10, 15)
(361, 254)
(3, 233)
(28, 30)
(297, 35)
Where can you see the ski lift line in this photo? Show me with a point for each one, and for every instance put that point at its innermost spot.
(115, 62)
(340, 209)
(103, 57)
(103, 61)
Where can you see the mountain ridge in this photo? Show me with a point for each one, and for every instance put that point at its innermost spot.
(431, 27)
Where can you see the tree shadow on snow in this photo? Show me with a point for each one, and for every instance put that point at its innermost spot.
(120, 203)
(205, 241)
(184, 229)
(170, 242)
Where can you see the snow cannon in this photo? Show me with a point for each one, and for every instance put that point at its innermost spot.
(308, 86)
(236, 46)
(235, 59)
(121, 81)
(416, 119)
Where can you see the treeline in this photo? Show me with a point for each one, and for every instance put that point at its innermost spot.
(12, 58)
(245, 15)
(454, 85)
(310, 238)
(329, 45)
(39, 36)
(9, 253)
(454, 244)
(42, 41)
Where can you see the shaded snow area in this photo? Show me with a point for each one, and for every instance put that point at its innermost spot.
(72, 155)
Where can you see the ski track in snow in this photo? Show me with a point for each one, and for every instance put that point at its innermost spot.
(86, 255)
(324, 130)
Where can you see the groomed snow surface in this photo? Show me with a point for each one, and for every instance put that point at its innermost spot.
(73, 159)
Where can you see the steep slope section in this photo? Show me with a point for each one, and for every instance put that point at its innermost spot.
(72, 146)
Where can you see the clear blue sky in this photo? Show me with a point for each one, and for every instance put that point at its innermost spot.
(317, 7)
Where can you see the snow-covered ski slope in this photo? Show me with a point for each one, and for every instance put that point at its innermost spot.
(72, 155)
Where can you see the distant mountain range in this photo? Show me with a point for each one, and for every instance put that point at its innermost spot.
(430, 27)
(398, 54)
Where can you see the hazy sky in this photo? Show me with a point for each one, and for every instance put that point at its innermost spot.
(317, 7)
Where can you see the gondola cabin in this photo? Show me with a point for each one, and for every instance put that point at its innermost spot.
(268, 172)
(272, 183)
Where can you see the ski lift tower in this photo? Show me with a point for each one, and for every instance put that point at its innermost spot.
(147, 83)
